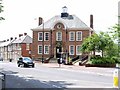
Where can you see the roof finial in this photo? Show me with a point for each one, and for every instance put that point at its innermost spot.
(64, 9)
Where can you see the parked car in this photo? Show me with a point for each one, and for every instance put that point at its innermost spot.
(25, 62)
(1, 59)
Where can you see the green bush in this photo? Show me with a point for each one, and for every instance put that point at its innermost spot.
(115, 59)
(102, 60)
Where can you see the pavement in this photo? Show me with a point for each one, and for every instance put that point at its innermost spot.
(92, 70)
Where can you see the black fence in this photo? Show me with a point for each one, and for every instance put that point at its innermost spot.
(2, 81)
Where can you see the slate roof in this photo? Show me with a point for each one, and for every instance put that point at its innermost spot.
(71, 22)
(5, 43)
(23, 39)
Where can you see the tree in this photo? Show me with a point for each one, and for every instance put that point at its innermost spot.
(1, 10)
(115, 31)
(89, 43)
(98, 42)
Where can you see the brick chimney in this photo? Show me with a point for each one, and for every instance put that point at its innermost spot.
(11, 38)
(25, 34)
(91, 21)
(7, 39)
(40, 21)
(20, 35)
(15, 38)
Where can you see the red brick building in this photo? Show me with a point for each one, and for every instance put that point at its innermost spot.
(61, 33)
(15, 48)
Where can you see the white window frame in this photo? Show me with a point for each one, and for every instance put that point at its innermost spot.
(70, 50)
(27, 46)
(41, 50)
(18, 46)
(77, 52)
(45, 36)
(39, 36)
(77, 39)
(70, 36)
(57, 38)
(45, 49)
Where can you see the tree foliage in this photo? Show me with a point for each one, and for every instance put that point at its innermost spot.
(115, 31)
(98, 42)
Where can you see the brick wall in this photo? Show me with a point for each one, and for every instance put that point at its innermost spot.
(52, 40)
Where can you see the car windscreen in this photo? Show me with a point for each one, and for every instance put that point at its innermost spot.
(27, 60)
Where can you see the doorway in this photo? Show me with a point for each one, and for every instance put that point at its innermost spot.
(58, 50)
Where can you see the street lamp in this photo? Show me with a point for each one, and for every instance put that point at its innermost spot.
(51, 42)
(43, 45)
(66, 47)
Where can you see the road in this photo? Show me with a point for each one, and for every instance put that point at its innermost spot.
(43, 76)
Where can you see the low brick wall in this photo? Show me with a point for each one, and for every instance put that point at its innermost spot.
(100, 65)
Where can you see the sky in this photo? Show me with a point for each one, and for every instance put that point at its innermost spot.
(22, 15)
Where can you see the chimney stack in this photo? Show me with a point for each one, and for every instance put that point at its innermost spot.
(7, 39)
(15, 38)
(11, 38)
(20, 35)
(25, 34)
(91, 21)
(40, 21)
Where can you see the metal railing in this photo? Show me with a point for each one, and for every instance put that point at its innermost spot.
(2, 81)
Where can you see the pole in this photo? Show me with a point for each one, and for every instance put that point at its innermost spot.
(51, 43)
(116, 77)
(66, 48)
(43, 45)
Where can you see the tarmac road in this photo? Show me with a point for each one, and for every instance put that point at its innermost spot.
(53, 76)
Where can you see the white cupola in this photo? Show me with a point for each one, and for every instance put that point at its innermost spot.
(64, 9)
(64, 13)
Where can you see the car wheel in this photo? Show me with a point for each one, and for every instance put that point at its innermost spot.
(18, 65)
(21, 65)
(24, 65)
(32, 66)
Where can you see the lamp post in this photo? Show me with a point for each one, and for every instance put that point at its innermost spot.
(66, 48)
(43, 45)
(51, 42)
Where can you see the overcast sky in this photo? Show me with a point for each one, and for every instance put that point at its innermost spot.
(21, 15)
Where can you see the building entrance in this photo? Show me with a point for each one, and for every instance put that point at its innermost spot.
(58, 50)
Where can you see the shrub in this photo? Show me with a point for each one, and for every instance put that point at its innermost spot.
(115, 59)
(102, 60)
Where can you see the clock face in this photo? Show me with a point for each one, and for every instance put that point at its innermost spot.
(59, 26)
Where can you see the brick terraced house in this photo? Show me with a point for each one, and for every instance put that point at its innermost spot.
(15, 48)
(61, 33)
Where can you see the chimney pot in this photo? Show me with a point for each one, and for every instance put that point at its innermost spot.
(25, 34)
(15, 37)
(40, 21)
(20, 35)
(11, 38)
(7, 39)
